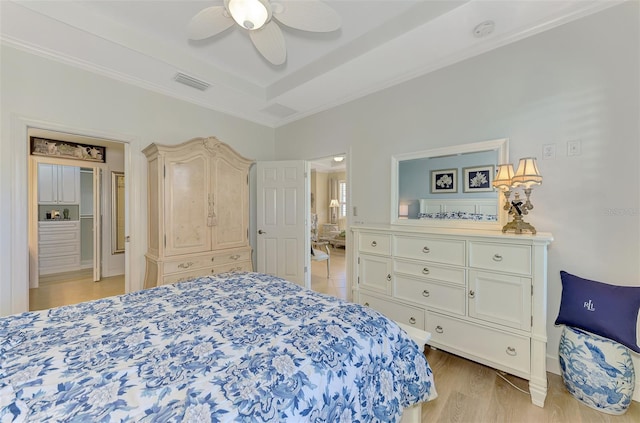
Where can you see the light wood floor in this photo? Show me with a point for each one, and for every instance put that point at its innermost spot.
(336, 284)
(72, 288)
(473, 393)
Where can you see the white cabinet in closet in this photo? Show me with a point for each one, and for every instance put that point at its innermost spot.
(58, 184)
(198, 211)
(481, 294)
(58, 246)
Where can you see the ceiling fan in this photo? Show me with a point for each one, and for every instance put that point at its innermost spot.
(259, 18)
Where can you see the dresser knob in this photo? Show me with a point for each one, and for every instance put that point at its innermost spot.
(439, 329)
(389, 277)
(235, 257)
(425, 271)
(472, 294)
(366, 304)
(425, 293)
(373, 243)
(412, 320)
(426, 250)
(213, 259)
(497, 257)
(511, 351)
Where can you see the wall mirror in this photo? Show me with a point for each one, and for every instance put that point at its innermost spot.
(117, 212)
(449, 186)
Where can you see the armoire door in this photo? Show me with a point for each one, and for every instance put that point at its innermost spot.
(188, 203)
(230, 204)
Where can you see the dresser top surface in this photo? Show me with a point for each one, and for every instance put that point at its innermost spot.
(545, 237)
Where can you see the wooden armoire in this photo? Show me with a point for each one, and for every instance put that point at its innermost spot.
(198, 202)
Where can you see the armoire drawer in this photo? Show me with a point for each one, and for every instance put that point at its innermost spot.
(185, 276)
(374, 243)
(430, 271)
(244, 266)
(504, 351)
(449, 298)
(411, 316)
(512, 258)
(447, 251)
(207, 260)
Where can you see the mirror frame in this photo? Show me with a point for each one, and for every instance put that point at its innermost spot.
(501, 146)
(117, 212)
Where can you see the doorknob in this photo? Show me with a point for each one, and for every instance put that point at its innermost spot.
(260, 231)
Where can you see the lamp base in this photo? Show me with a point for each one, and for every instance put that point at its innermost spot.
(518, 225)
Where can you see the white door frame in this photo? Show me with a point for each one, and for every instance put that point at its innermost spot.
(17, 259)
(97, 222)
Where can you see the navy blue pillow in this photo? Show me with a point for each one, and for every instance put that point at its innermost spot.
(606, 310)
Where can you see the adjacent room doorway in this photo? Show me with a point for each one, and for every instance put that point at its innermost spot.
(70, 224)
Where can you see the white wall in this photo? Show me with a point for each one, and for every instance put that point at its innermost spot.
(576, 82)
(43, 93)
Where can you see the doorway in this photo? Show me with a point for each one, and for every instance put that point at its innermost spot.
(329, 196)
(69, 221)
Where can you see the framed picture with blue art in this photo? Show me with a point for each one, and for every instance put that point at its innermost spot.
(444, 181)
(478, 178)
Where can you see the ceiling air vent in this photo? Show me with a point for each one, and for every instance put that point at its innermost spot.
(191, 81)
(279, 110)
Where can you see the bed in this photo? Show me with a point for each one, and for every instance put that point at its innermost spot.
(241, 347)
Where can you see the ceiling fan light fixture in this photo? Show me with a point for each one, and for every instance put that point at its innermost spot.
(249, 14)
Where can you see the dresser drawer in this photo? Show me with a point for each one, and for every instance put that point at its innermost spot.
(401, 313)
(375, 243)
(430, 271)
(510, 258)
(447, 251)
(207, 260)
(445, 297)
(59, 226)
(59, 249)
(55, 237)
(501, 350)
(48, 265)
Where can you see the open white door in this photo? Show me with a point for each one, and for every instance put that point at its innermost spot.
(283, 241)
(97, 223)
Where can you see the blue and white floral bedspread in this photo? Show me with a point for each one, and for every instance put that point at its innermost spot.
(243, 348)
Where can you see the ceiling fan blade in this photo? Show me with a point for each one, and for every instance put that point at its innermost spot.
(308, 15)
(208, 22)
(270, 43)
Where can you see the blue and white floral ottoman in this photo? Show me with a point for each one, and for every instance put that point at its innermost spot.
(596, 370)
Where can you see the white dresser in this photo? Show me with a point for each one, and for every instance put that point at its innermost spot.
(481, 294)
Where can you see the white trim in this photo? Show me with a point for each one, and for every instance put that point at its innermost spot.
(18, 219)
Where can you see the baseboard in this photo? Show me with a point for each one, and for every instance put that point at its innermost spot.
(553, 366)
